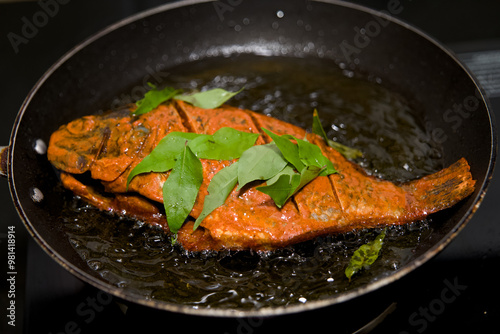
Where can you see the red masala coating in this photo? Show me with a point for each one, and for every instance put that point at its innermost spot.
(110, 146)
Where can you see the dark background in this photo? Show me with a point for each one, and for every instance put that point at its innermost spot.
(47, 296)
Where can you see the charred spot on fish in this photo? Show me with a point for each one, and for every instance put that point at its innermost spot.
(106, 133)
(81, 163)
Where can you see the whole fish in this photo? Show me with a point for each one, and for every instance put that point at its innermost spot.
(95, 155)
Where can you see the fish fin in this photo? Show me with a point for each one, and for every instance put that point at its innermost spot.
(440, 190)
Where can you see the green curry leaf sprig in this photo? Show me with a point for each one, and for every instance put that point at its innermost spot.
(304, 162)
(209, 99)
(348, 152)
(285, 166)
(180, 152)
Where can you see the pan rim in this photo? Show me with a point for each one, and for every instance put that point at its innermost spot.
(264, 311)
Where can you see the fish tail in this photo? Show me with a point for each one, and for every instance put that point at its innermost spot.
(440, 190)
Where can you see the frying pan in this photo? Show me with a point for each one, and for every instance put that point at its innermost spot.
(122, 57)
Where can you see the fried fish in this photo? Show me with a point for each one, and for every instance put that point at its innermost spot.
(106, 148)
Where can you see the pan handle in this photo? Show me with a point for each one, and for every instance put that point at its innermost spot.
(4, 151)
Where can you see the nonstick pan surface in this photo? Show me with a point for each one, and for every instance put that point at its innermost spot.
(114, 66)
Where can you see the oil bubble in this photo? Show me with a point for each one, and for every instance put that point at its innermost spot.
(40, 147)
(36, 195)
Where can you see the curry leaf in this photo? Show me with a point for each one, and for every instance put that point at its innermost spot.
(288, 184)
(181, 189)
(218, 189)
(365, 255)
(259, 162)
(225, 144)
(302, 154)
(209, 99)
(288, 170)
(308, 174)
(289, 150)
(281, 189)
(311, 155)
(317, 128)
(162, 157)
(305, 157)
(154, 98)
(348, 152)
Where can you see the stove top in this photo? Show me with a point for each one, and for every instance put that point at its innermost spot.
(454, 292)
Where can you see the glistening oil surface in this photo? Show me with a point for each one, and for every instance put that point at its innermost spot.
(356, 110)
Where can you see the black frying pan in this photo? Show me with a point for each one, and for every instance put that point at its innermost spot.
(118, 61)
